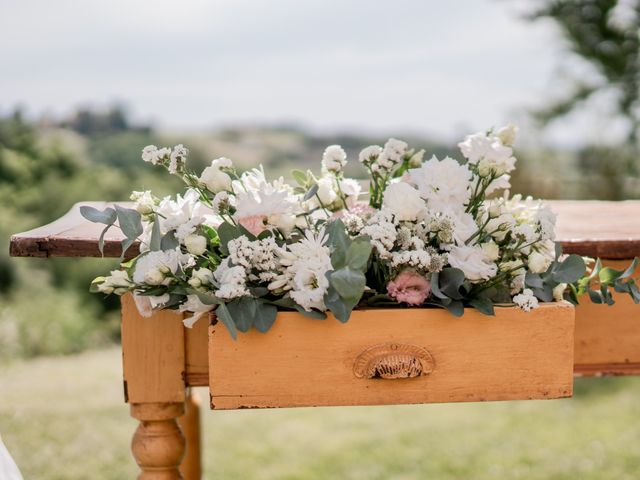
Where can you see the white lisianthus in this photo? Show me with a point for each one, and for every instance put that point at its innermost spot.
(443, 184)
(309, 285)
(213, 178)
(558, 292)
(196, 244)
(473, 261)
(491, 250)
(334, 158)
(507, 134)
(404, 202)
(194, 305)
(164, 261)
(145, 202)
(326, 190)
(223, 202)
(117, 282)
(146, 304)
(526, 300)
(351, 189)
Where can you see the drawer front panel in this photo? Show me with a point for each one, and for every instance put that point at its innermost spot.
(395, 356)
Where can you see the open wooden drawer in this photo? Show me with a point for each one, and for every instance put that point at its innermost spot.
(434, 356)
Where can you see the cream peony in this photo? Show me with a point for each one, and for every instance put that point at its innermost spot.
(444, 184)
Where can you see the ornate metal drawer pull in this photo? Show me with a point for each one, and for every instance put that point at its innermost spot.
(393, 360)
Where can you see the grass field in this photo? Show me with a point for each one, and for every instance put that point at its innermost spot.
(63, 418)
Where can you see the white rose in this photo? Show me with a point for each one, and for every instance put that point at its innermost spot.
(404, 202)
(196, 244)
(538, 263)
(334, 158)
(153, 276)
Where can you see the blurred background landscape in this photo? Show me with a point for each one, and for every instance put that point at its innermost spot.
(85, 87)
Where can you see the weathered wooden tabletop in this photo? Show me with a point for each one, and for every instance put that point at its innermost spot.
(600, 229)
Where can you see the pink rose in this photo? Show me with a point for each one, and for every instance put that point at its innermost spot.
(254, 224)
(409, 287)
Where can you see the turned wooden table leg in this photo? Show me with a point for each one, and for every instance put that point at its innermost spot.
(191, 467)
(158, 444)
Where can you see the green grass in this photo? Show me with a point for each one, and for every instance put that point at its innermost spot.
(64, 418)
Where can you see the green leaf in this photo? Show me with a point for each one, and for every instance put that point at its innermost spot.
(265, 316)
(629, 270)
(455, 307)
(316, 315)
(358, 253)
(169, 241)
(93, 288)
(222, 312)
(226, 233)
(533, 280)
(126, 243)
(107, 216)
(339, 242)
(451, 279)
(130, 222)
(101, 239)
(284, 302)
(570, 270)
(483, 305)
(243, 311)
(435, 288)
(339, 306)
(300, 177)
(609, 275)
(155, 243)
(594, 296)
(311, 192)
(347, 282)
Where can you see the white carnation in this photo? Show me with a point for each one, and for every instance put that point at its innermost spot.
(444, 184)
(334, 158)
(404, 202)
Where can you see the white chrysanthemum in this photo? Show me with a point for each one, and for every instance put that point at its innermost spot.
(213, 178)
(334, 158)
(444, 184)
(473, 261)
(404, 202)
(166, 262)
(267, 200)
(526, 300)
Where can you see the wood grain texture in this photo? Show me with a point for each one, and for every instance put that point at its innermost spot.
(197, 354)
(153, 355)
(305, 362)
(599, 229)
(191, 466)
(594, 228)
(607, 339)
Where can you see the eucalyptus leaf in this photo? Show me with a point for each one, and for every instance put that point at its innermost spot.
(222, 312)
(226, 233)
(358, 253)
(126, 244)
(347, 282)
(101, 238)
(451, 279)
(155, 243)
(169, 241)
(243, 311)
(455, 307)
(265, 316)
(339, 242)
(483, 305)
(311, 192)
(533, 280)
(130, 222)
(569, 270)
(107, 216)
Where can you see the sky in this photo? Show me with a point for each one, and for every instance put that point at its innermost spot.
(438, 68)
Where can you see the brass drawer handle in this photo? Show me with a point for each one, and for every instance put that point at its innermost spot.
(393, 360)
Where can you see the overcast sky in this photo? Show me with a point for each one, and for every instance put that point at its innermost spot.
(434, 67)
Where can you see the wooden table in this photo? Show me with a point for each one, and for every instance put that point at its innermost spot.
(162, 359)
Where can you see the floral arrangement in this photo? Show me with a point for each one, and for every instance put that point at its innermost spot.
(433, 232)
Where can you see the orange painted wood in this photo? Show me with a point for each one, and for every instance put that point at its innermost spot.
(607, 339)
(191, 466)
(153, 355)
(305, 362)
(595, 228)
(197, 354)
